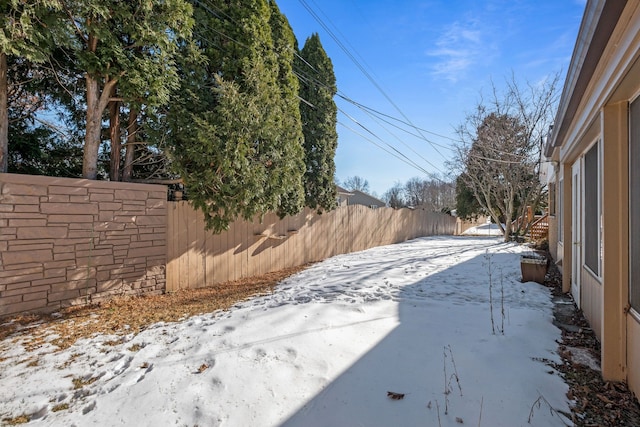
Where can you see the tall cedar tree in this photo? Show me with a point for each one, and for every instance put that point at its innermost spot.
(130, 44)
(28, 30)
(232, 138)
(291, 138)
(319, 119)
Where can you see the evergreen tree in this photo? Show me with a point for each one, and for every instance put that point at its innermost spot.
(467, 206)
(28, 30)
(290, 140)
(232, 135)
(319, 118)
(129, 44)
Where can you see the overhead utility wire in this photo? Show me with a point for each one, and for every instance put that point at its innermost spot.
(310, 80)
(396, 153)
(348, 99)
(401, 156)
(381, 147)
(402, 142)
(407, 159)
(343, 37)
(368, 110)
(340, 93)
(371, 113)
(396, 119)
(361, 68)
(363, 107)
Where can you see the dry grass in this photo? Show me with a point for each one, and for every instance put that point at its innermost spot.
(60, 407)
(126, 315)
(78, 383)
(20, 419)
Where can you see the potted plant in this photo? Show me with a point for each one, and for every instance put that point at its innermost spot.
(533, 268)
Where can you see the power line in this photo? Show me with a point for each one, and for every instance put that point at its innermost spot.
(362, 69)
(400, 157)
(305, 77)
(398, 120)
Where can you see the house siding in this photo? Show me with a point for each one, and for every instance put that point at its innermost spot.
(608, 66)
(633, 352)
(591, 305)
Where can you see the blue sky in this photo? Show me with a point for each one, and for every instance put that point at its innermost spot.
(429, 63)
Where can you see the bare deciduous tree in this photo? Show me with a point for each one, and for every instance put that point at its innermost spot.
(436, 194)
(356, 183)
(499, 153)
(393, 196)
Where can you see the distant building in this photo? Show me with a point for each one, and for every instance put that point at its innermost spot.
(360, 198)
(343, 196)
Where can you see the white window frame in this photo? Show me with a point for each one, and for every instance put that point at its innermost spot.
(560, 208)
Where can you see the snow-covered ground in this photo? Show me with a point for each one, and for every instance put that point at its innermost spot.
(324, 350)
(488, 229)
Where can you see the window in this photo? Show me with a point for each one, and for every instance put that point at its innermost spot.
(591, 245)
(634, 204)
(560, 211)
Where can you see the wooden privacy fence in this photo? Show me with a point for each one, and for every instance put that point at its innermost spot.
(197, 258)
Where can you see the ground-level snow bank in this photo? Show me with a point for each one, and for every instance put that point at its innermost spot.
(418, 318)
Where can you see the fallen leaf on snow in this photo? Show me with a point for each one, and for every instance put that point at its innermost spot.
(395, 396)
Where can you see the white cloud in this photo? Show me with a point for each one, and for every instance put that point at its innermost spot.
(458, 48)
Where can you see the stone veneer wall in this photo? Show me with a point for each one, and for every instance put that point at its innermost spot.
(70, 241)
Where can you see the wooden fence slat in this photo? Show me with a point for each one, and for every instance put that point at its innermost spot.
(172, 257)
(184, 245)
(196, 257)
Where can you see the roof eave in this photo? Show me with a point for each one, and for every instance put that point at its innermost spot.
(599, 20)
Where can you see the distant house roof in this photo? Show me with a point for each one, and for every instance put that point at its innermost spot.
(342, 196)
(343, 191)
(597, 25)
(360, 198)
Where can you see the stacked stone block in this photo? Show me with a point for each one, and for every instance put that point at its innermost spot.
(72, 241)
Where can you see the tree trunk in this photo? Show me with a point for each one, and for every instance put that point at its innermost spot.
(4, 115)
(92, 134)
(507, 229)
(508, 223)
(96, 104)
(130, 151)
(114, 134)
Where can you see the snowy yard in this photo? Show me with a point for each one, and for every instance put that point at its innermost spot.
(324, 350)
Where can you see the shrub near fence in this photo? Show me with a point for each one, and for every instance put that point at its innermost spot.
(67, 241)
(199, 258)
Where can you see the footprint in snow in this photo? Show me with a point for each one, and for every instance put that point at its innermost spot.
(122, 365)
(90, 407)
(292, 352)
(217, 382)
